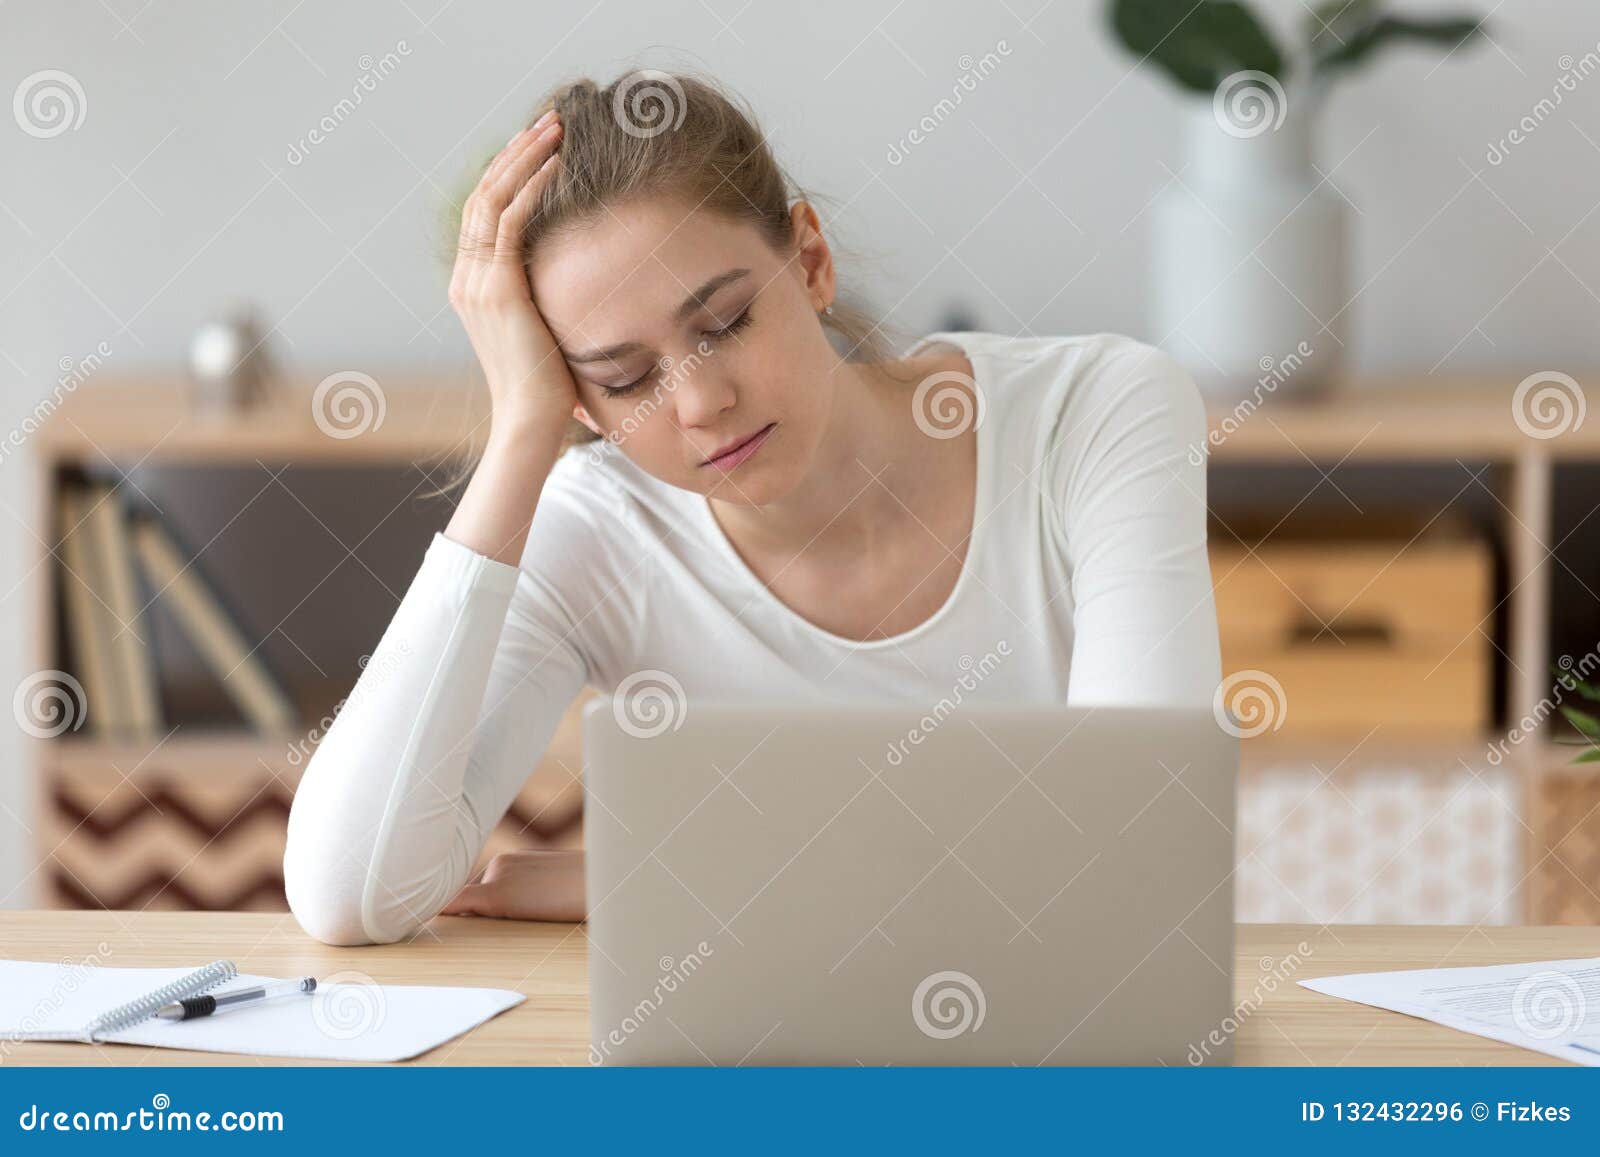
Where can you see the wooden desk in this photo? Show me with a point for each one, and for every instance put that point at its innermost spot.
(1290, 1026)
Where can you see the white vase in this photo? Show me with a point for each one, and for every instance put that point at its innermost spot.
(1247, 254)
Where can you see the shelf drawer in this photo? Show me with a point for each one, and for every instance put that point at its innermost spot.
(1362, 633)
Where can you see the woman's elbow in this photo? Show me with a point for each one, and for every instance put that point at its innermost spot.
(324, 906)
(331, 877)
(328, 900)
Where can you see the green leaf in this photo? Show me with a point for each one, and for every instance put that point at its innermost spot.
(1587, 724)
(1591, 756)
(1333, 24)
(1444, 32)
(1570, 682)
(1200, 43)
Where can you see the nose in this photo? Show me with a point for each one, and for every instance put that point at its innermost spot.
(700, 395)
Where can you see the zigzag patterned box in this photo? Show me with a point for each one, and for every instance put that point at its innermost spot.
(198, 823)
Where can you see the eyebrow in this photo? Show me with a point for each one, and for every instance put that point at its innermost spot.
(695, 300)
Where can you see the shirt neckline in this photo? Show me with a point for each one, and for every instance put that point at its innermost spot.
(983, 384)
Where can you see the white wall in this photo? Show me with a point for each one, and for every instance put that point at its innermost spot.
(175, 195)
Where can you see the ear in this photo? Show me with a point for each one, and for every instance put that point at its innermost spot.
(814, 258)
(582, 415)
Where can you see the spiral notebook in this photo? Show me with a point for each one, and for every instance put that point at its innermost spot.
(348, 1017)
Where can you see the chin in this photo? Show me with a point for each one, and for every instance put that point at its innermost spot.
(752, 485)
(742, 491)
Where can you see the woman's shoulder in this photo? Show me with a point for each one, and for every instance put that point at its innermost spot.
(1016, 367)
(1077, 353)
(1035, 382)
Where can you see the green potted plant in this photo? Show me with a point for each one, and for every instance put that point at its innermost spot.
(1585, 721)
(1248, 248)
(1200, 45)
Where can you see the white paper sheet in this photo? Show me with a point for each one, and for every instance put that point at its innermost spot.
(351, 1021)
(1550, 1006)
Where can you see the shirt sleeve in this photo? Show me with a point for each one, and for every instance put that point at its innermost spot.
(1129, 483)
(445, 724)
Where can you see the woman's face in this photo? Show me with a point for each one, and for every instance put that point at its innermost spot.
(686, 333)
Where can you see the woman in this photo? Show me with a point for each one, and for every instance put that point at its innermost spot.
(754, 516)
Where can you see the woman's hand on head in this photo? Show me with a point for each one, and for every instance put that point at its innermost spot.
(489, 288)
(532, 885)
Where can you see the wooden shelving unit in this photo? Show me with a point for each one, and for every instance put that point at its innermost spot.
(1403, 420)
(196, 818)
(1443, 421)
(109, 424)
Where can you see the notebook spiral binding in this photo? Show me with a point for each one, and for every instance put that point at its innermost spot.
(145, 1007)
(135, 1011)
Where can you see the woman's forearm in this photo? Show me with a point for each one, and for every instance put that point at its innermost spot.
(496, 509)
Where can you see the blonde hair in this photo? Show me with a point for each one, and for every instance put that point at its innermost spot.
(655, 134)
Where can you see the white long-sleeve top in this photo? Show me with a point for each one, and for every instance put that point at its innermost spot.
(1085, 580)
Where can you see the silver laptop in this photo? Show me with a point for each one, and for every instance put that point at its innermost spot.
(821, 885)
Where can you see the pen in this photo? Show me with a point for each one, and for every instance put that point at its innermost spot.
(206, 1005)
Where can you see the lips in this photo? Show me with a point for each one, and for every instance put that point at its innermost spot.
(733, 447)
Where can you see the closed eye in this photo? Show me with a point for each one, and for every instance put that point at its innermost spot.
(727, 331)
(732, 327)
(624, 391)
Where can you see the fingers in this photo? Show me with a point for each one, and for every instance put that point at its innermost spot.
(473, 900)
(529, 157)
(514, 221)
(487, 239)
(516, 147)
(481, 213)
(489, 242)
(513, 146)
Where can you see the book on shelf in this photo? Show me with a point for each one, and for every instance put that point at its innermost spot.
(106, 548)
(132, 661)
(87, 618)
